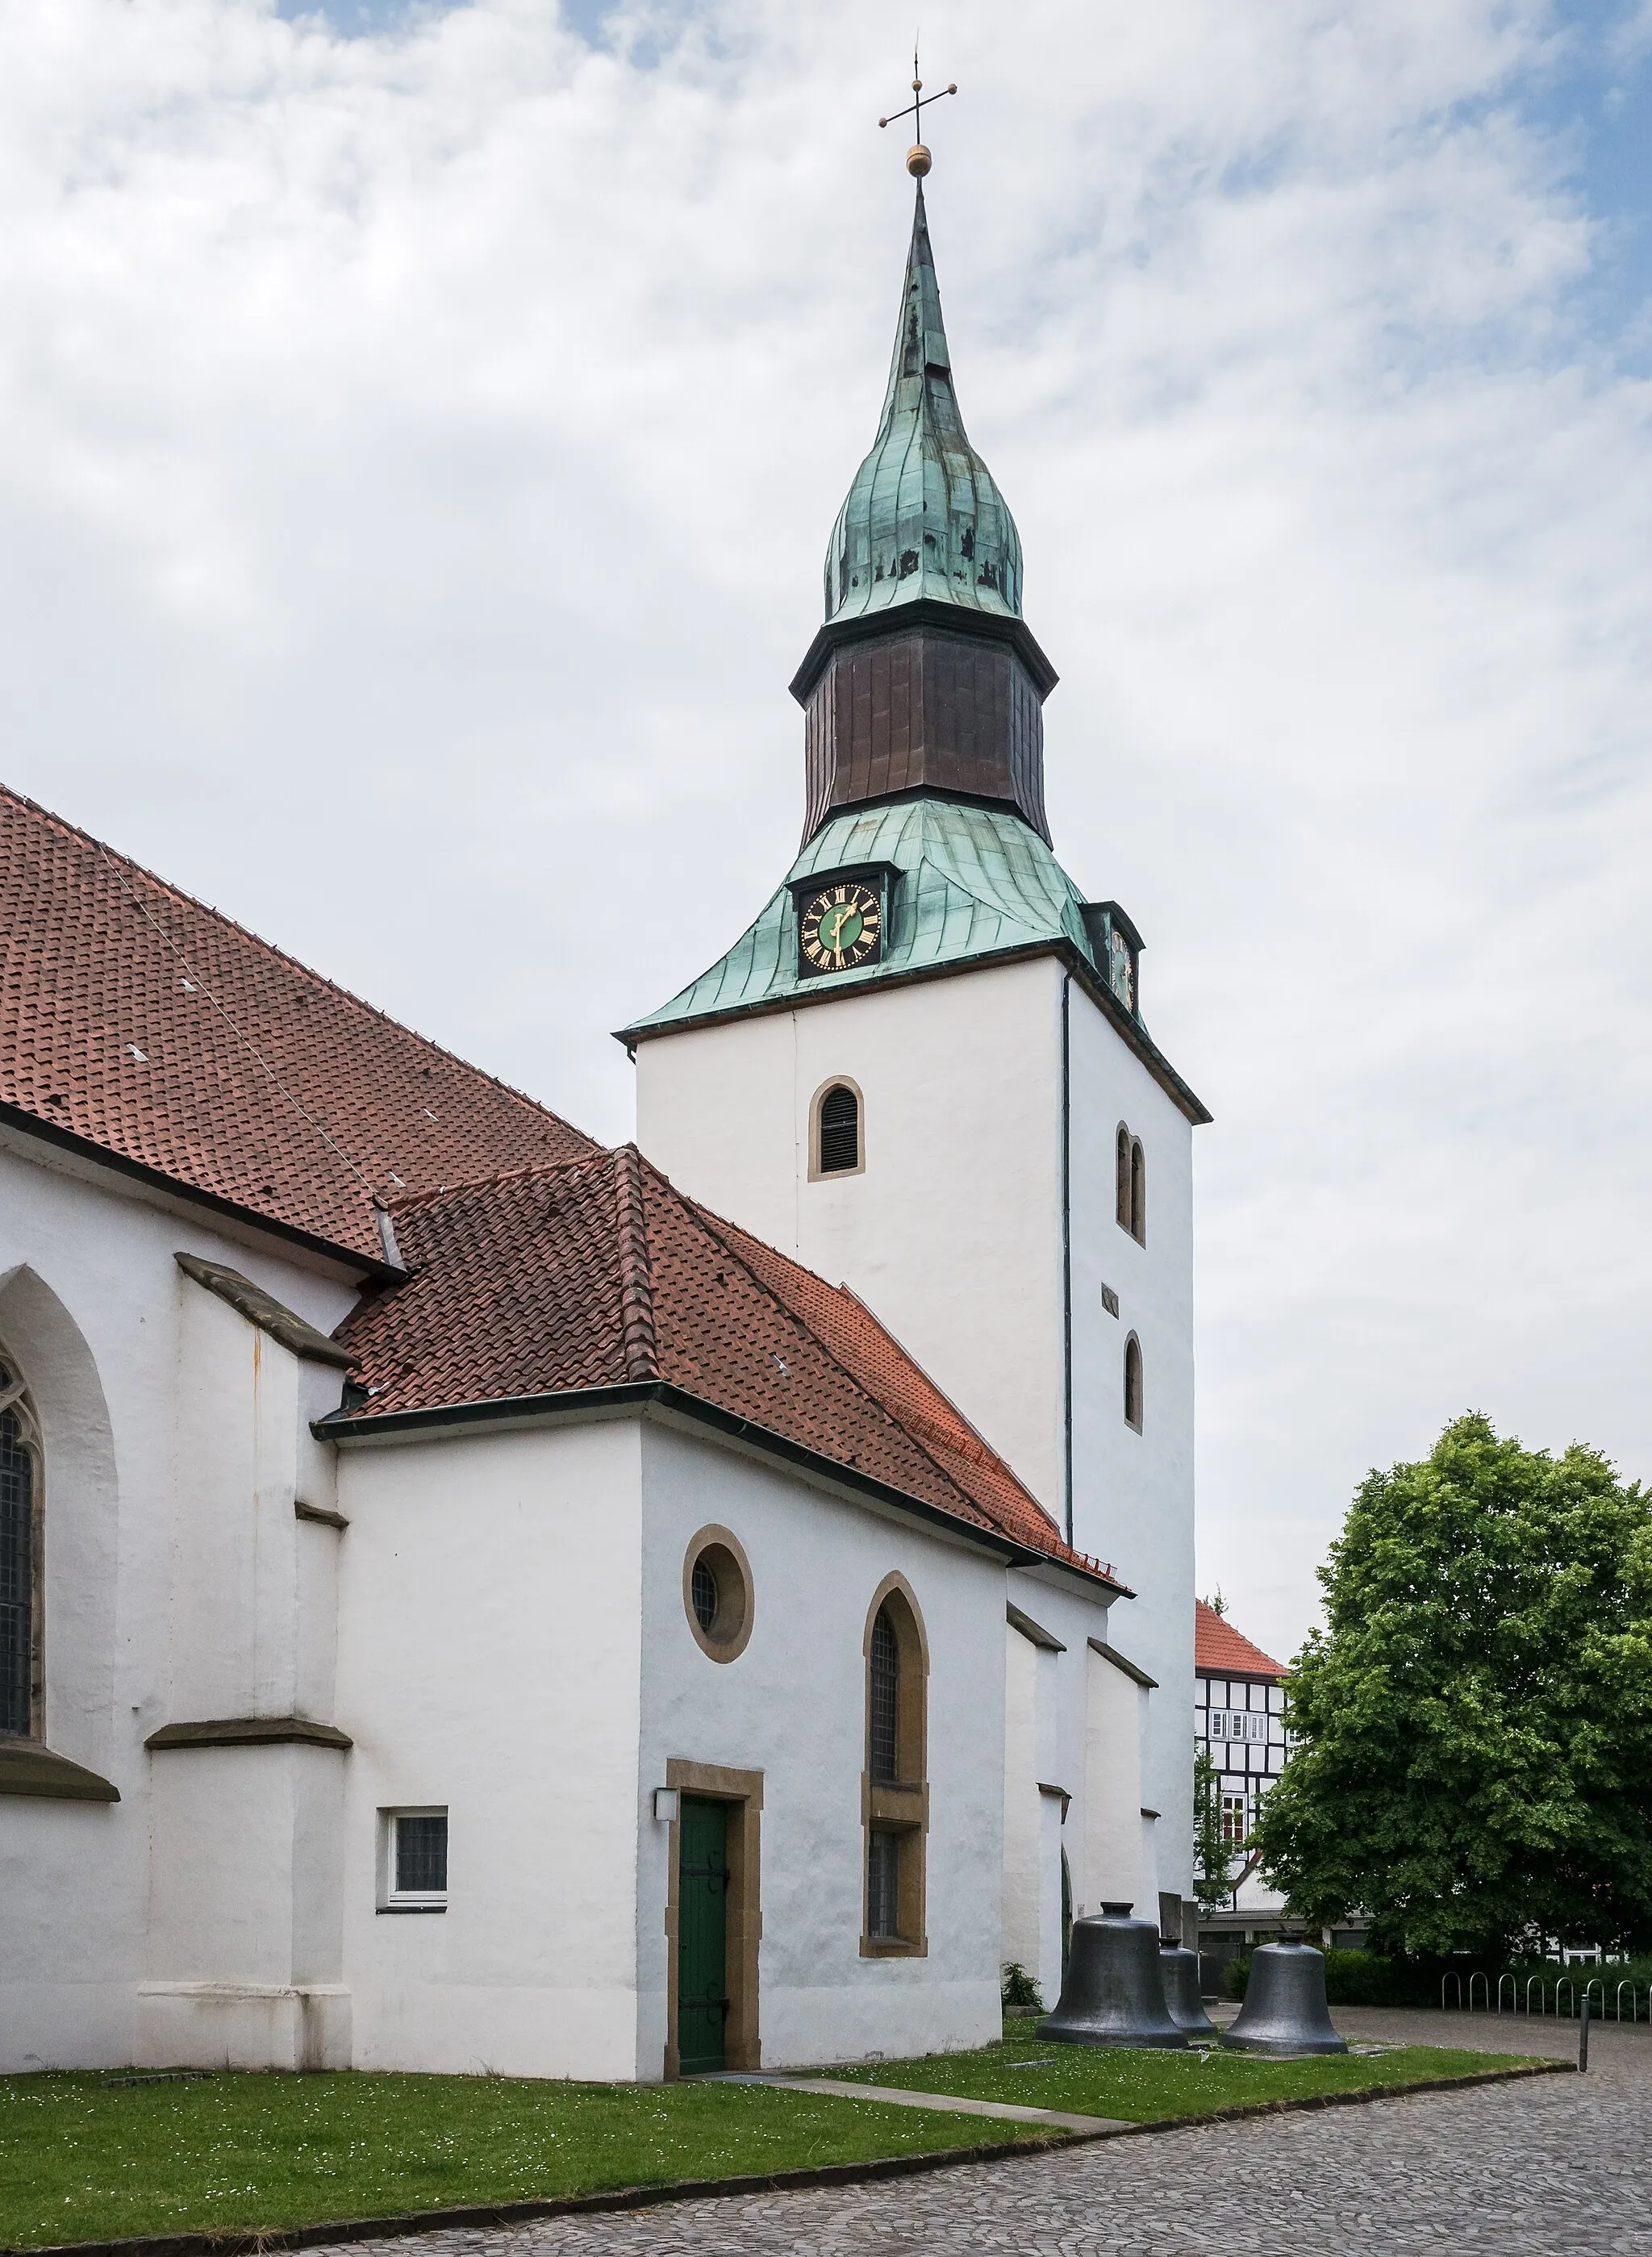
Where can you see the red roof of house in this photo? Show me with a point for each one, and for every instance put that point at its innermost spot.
(135, 1019)
(1221, 1650)
(600, 1274)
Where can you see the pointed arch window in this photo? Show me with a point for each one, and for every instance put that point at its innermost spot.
(1132, 1382)
(1130, 1174)
(19, 1559)
(895, 1800)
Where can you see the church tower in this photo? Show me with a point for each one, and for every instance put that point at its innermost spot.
(924, 1069)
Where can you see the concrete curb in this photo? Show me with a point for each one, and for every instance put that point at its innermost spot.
(231, 2242)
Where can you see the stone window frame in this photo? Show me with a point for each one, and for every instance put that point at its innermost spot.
(901, 1807)
(15, 1398)
(731, 1631)
(817, 1173)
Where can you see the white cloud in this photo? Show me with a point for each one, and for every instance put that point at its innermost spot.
(416, 456)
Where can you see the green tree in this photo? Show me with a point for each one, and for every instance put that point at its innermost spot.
(1211, 1856)
(1474, 1724)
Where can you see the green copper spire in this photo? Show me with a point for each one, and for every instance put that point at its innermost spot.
(923, 516)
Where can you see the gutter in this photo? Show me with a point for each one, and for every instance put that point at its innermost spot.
(65, 1139)
(354, 1431)
(1066, 952)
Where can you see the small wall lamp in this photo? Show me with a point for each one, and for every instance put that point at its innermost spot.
(668, 1804)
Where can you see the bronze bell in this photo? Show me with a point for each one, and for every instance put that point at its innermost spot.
(1180, 1969)
(1112, 1993)
(1285, 2009)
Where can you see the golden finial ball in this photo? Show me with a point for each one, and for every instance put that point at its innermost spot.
(918, 160)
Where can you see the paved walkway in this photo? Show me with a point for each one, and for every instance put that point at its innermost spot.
(1550, 2167)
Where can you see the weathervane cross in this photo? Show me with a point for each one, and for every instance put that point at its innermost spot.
(918, 158)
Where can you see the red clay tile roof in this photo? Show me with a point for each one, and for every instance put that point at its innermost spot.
(136, 1020)
(599, 1274)
(1223, 1651)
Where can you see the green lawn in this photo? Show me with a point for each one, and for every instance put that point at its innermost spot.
(1143, 2087)
(81, 2160)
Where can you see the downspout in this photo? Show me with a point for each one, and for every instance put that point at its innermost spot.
(1067, 1250)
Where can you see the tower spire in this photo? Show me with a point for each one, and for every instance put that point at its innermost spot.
(924, 517)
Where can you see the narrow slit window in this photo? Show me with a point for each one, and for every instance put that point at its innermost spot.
(1123, 1172)
(839, 1132)
(885, 1718)
(1132, 1382)
(18, 1561)
(1138, 1193)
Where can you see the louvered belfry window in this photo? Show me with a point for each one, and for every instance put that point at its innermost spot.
(884, 1720)
(16, 1571)
(839, 1131)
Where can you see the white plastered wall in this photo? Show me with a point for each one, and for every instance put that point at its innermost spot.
(91, 1308)
(489, 1664)
(791, 1705)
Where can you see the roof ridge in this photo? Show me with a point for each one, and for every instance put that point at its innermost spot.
(530, 1171)
(115, 856)
(639, 1338)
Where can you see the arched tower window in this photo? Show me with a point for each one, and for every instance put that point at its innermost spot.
(896, 1800)
(1130, 1171)
(1132, 1382)
(837, 1131)
(19, 1559)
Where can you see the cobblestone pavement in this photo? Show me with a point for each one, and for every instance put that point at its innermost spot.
(1552, 2165)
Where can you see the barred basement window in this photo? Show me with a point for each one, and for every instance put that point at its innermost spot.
(884, 1703)
(19, 1560)
(883, 1887)
(838, 1141)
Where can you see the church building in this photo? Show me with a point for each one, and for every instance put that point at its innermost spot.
(471, 1598)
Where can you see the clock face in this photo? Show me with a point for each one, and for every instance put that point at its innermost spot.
(841, 928)
(1119, 971)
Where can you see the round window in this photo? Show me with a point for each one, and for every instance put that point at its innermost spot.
(717, 1591)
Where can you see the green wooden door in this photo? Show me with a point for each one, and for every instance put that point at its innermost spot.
(703, 1935)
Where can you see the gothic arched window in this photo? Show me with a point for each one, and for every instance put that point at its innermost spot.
(1132, 1382)
(19, 1559)
(837, 1135)
(896, 1798)
(1123, 1175)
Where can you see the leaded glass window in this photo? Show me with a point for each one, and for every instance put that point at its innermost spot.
(421, 1853)
(883, 1886)
(19, 1474)
(885, 1718)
